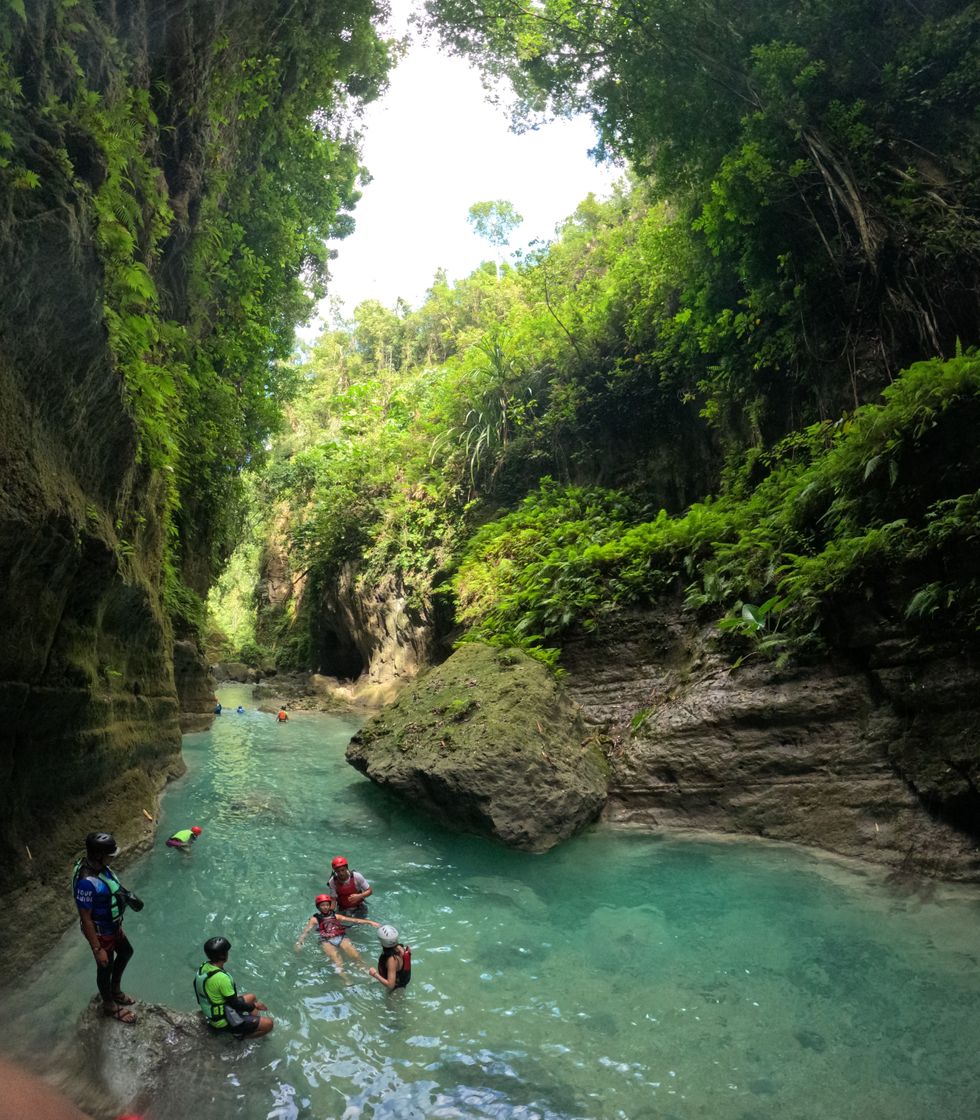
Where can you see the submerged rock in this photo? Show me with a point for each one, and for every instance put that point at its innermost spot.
(488, 743)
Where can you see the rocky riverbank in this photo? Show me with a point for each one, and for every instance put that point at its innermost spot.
(872, 754)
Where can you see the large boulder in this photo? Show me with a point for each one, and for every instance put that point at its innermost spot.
(488, 743)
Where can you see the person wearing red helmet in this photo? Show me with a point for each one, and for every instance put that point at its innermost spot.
(183, 838)
(333, 936)
(350, 888)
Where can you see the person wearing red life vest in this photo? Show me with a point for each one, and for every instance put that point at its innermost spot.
(349, 888)
(333, 935)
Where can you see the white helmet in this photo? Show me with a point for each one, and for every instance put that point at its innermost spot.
(388, 936)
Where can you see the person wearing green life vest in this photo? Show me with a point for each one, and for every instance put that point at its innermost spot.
(217, 995)
(184, 838)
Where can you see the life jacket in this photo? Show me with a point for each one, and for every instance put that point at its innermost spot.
(404, 974)
(183, 836)
(219, 1013)
(282, 717)
(107, 905)
(329, 926)
(344, 890)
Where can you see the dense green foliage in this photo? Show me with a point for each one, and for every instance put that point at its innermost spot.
(212, 150)
(801, 226)
(874, 518)
(416, 427)
(823, 160)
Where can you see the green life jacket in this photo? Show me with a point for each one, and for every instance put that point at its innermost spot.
(218, 1014)
(106, 909)
(184, 836)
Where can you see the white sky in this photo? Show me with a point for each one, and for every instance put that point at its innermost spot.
(434, 147)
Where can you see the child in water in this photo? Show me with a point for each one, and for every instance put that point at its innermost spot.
(333, 936)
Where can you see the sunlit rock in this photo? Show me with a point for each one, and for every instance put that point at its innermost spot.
(488, 743)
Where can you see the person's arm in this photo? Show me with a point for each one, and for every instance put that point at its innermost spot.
(359, 896)
(302, 937)
(360, 921)
(244, 1004)
(391, 968)
(88, 928)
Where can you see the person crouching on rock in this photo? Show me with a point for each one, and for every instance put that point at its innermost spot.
(223, 1007)
(101, 900)
(183, 839)
(333, 936)
(395, 963)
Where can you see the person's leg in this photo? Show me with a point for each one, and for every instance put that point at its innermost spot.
(254, 1026)
(348, 946)
(333, 955)
(103, 977)
(123, 953)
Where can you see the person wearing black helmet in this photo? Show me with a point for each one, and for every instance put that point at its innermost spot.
(217, 995)
(101, 900)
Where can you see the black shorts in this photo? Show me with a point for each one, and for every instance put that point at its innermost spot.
(249, 1026)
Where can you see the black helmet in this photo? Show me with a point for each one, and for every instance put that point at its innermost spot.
(217, 948)
(101, 844)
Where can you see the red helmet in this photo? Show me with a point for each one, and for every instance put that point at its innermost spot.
(338, 861)
(196, 829)
(323, 898)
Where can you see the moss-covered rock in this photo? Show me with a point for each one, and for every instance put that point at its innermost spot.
(488, 743)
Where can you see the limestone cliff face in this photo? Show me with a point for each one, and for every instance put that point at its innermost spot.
(875, 756)
(363, 638)
(90, 725)
(369, 635)
(86, 684)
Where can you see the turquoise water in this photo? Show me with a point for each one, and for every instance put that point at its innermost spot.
(619, 976)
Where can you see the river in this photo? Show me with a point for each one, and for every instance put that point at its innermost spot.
(620, 976)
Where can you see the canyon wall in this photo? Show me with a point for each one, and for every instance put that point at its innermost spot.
(873, 753)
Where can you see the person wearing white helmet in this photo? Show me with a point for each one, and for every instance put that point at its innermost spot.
(395, 963)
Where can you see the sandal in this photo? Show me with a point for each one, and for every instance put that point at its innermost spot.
(122, 1014)
(122, 999)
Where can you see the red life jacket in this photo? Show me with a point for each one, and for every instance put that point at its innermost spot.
(344, 891)
(329, 926)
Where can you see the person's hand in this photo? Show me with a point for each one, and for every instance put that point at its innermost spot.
(373, 972)
(101, 955)
(259, 1006)
(298, 946)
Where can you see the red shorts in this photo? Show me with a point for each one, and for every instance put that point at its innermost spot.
(112, 942)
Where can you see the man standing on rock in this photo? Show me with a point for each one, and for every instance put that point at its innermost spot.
(101, 900)
(349, 888)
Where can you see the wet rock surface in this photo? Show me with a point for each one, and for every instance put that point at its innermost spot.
(876, 757)
(165, 1056)
(488, 743)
